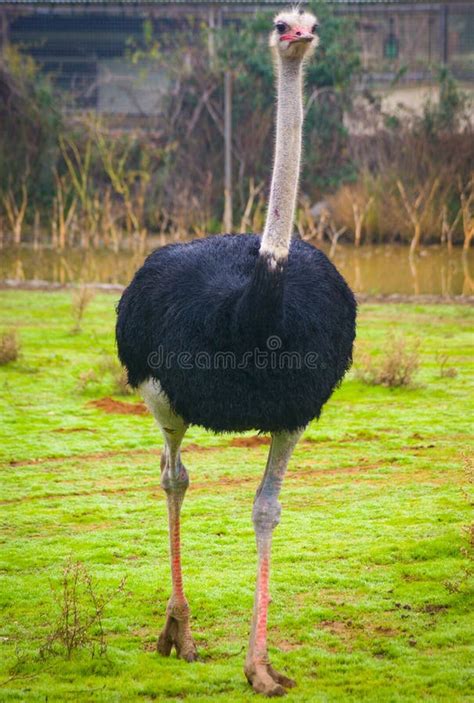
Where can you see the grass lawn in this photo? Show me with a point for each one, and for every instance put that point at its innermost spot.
(371, 531)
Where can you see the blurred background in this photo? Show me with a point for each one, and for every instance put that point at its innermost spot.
(128, 125)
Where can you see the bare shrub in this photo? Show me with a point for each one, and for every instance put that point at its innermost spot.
(121, 382)
(396, 366)
(334, 234)
(352, 203)
(81, 298)
(111, 365)
(85, 378)
(445, 371)
(417, 206)
(9, 347)
(15, 210)
(80, 620)
(416, 169)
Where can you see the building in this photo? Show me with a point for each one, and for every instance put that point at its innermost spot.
(86, 45)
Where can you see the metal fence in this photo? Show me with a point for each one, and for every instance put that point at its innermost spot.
(86, 46)
(414, 39)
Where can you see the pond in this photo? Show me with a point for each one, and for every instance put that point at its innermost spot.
(371, 270)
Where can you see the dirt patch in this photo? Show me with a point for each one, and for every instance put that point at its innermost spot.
(255, 441)
(70, 430)
(200, 448)
(287, 646)
(150, 646)
(347, 629)
(118, 407)
(83, 494)
(92, 527)
(191, 447)
(304, 469)
(388, 631)
(418, 447)
(96, 456)
(227, 481)
(339, 628)
(432, 608)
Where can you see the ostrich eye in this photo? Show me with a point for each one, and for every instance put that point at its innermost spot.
(281, 27)
(315, 28)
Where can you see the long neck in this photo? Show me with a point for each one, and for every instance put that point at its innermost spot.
(281, 207)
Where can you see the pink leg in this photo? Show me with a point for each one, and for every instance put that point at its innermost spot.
(174, 480)
(266, 515)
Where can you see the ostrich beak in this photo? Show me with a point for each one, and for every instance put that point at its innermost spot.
(298, 34)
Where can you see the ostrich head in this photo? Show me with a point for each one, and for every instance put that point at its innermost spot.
(294, 34)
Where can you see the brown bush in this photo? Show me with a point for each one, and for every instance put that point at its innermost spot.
(421, 164)
(9, 347)
(445, 371)
(111, 365)
(79, 623)
(81, 298)
(352, 205)
(396, 366)
(108, 366)
(85, 378)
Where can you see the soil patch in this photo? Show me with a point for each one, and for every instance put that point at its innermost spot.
(199, 448)
(344, 630)
(388, 631)
(118, 407)
(432, 608)
(255, 441)
(69, 430)
(287, 646)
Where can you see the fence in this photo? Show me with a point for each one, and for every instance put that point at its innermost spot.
(87, 47)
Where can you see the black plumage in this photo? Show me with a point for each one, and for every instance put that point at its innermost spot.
(235, 344)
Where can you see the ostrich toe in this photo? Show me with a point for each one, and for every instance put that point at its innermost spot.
(265, 680)
(177, 633)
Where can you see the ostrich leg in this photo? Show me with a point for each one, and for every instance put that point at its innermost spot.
(174, 481)
(266, 516)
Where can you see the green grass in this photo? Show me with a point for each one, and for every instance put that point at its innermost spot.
(371, 527)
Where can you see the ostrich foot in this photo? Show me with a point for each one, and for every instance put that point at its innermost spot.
(264, 679)
(281, 678)
(177, 633)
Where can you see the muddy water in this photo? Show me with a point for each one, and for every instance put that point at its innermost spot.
(373, 270)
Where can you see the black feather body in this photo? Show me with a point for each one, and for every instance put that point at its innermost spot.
(236, 344)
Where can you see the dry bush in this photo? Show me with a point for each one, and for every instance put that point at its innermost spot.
(108, 366)
(81, 298)
(85, 378)
(121, 386)
(9, 347)
(445, 371)
(429, 171)
(352, 204)
(15, 210)
(396, 366)
(80, 620)
(416, 168)
(111, 365)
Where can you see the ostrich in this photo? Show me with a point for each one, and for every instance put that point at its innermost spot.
(241, 332)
